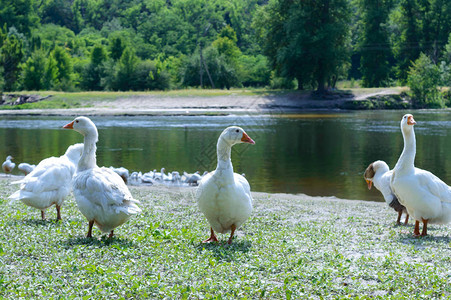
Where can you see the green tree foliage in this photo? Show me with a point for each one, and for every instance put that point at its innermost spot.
(62, 68)
(57, 12)
(95, 70)
(436, 26)
(150, 76)
(305, 39)
(423, 80)
(33, 71)
(19, 14)
(299, 41)
(11, 54)
(254, 70)
(222, 73)
(374, 45)
(126, 70)
(116, 47)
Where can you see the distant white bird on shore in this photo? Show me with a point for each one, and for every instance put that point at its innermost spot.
(175, 177)
(148, 177)
(192, 179)
(8, 165)
(224, 197)
(50, 182)
(26, 168)
(135, 178)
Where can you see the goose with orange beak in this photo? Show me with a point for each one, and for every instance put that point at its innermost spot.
(101, 194)
(379, 173)
(224, 197)
(426, 197)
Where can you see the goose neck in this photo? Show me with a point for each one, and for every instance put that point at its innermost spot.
(88, 157)
(407, 158)
(224, 150)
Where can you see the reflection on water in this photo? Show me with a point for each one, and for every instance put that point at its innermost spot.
(321, 154)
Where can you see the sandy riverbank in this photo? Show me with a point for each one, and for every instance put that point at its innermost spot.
(158, 104)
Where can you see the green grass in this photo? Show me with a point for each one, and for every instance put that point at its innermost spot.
(62, 100)
(292, 247)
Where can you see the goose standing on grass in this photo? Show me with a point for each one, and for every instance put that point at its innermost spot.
(379, 173)
(101, 194)
(50, 182)
(223, 196)
(26, 168)
(426, 197)
(8, 165)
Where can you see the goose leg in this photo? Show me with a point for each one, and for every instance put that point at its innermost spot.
(233, 228)
(212, 237)
(58, 212)
(89, 235)
(43, 215)
(416, 231)
(424, 232)
(406, 221)
(399, 218)
(111, 234)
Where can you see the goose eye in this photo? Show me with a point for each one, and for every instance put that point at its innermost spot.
(237, 130)
(76, 121)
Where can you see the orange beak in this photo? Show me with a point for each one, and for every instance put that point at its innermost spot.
(247, 139)
(69, 126)
(369, 182)
(411, 121)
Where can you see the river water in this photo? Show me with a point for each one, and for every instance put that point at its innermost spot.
(319, 154)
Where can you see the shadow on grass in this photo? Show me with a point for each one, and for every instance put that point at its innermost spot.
(423, 241)
(35, 222)
(223, 251)
(104, 241)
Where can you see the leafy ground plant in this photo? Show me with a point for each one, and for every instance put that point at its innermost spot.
(293, 246)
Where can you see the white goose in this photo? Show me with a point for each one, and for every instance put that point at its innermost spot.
(426, 197)
(50, 182)
(8, 165)
(101, 194)
(224, 197)
(26, 168)
(379, 173)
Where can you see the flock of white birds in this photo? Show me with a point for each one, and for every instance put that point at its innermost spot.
(103, 197)
(223, 196)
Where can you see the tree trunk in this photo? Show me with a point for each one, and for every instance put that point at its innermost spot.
(300, 84)
(202, 62)
(321, 86)
(201, 70)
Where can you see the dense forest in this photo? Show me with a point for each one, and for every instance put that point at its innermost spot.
(75, 45)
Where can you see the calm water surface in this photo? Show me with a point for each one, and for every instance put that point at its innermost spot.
(319, 154)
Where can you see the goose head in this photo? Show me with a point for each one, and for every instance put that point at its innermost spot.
(9, 157)
(374, 168)
(84, 126)
(407, 123)
(234, 135)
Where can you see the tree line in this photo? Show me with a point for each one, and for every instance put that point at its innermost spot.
(167, 44)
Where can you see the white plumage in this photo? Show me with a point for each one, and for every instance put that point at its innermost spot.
(426, 197)
(8, 165)
(50, 182)
(380, 174)
(26, 168)
(224, 197)
(101, 194)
